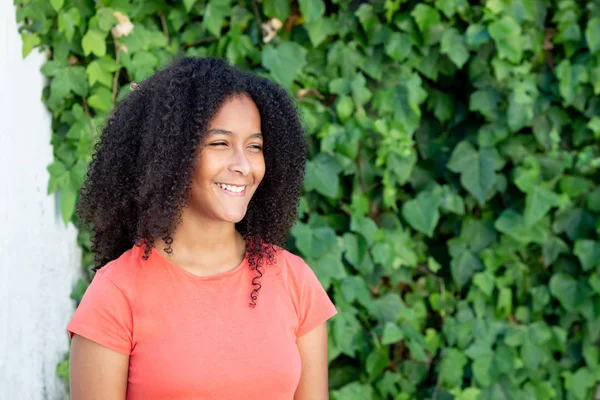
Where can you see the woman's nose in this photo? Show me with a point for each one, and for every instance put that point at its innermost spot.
(239, 162)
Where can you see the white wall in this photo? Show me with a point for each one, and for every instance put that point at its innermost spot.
(39, 258)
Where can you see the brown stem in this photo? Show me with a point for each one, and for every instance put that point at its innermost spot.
(88, 116)
(440, 280)
(315, 102)
(257, 15)
(199, 41)
(163, 22)
(437, 387)
(116, 76)
(361, 179)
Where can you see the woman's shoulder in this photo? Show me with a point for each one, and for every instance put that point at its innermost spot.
(292, 265)
(124, 270)
(287, 256)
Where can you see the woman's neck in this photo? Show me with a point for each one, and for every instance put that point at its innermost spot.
(204, 246)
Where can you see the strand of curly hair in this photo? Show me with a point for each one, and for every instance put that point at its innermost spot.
(140, 173)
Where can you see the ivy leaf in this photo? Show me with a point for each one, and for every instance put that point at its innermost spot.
(94, 42)
(354, 249)
(476, 35)
(592, 34)
(68, 21)
(564, 288)
(329, 266)
(79, 290)
(452, 367)
(101, 99)
(101, 70)
(30, 40)
(354, 391)
(57, 4)
(588, 252)
(322, 175)
(69, 79)
(360, 94)
(344, 107)
(570, 76)
(485, 282)
(377, 361)
(398, 46)
(77, 172)
(106, 19)
(506, 32)
(574, 186)
(388, 307)
(367, 16)
(143, 65)
(239, 47)
(442, 104)
(67, 202)
(63, 370)
(512, 224)
(214, 15)
(355, 288)
(77, 80)
(486, 102)
(593, 200)
(531, 353)
(403, 103)
(594, 282)
(312, 10)
(580, 383)
(426, 18)
(462, 158)
(479, 234)
(463, 267)
(346, 57)
(538, 203)
(476, 169)
(519, 115)
(450, 7)
(284, 61)
(552, 248)
(453, 45)
(365, 226)
(576, 222)
(240, 17)
(319, 29)
(188, 4)
(452, 201)
(314, 242)
(391, 334)
(279, 9)
(422, 213)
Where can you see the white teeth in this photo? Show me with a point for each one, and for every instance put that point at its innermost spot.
(235, 189)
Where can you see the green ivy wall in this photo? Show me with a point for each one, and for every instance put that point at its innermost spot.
(451, 205)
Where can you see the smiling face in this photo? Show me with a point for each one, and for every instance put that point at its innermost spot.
(231, 164)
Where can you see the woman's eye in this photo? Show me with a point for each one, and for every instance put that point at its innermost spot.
(218, 144)
(256, 146)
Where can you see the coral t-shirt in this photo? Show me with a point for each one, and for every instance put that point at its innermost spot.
(192, 337)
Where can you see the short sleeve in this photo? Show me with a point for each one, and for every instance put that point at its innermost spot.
(315, 305)
(104, 316)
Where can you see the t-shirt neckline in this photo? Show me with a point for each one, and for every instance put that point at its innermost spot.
(159, 257)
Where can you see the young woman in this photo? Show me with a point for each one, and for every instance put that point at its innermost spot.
(192, 188)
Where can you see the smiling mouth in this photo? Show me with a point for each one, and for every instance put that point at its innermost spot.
(232, 190)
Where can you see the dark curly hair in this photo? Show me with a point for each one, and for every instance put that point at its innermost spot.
(138, 181)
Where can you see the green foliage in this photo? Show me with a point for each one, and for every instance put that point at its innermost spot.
(451, 204)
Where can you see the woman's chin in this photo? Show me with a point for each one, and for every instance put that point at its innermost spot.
(233, 217)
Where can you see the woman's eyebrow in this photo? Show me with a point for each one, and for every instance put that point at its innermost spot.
(218, 131)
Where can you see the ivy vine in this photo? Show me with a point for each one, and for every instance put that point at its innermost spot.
(451, 205)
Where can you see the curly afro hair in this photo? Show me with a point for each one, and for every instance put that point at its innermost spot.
(139, 177)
